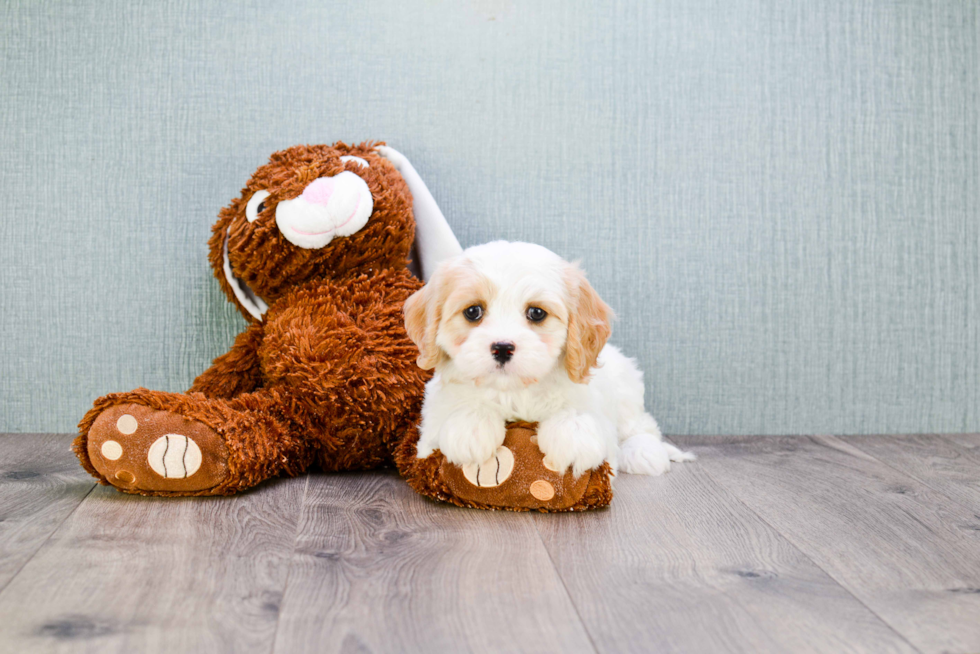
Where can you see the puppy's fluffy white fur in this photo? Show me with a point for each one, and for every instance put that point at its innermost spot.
(586, 396)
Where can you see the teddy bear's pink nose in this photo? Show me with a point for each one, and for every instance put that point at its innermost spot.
(319, 191)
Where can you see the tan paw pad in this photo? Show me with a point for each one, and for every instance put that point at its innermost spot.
(137, 448)
(112, 450)
(542, 490)
(126, 424)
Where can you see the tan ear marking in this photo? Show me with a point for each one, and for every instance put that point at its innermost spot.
(423, 311)
(589, 326)
(415, 316)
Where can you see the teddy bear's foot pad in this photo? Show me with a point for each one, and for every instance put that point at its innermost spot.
(137, 448)
(517, 477)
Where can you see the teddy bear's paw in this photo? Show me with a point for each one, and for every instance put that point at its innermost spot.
(137, 448)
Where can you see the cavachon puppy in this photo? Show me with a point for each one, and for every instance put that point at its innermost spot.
(515, 333)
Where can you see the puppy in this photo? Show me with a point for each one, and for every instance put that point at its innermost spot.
(514, 332)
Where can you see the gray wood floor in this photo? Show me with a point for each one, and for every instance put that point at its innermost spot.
(790, 544)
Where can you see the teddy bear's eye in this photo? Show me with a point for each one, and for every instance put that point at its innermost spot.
(360, 162)
(255, 206)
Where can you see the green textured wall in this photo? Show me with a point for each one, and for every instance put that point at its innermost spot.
(781, 199)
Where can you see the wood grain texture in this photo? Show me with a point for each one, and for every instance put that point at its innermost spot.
(949, 465)
(678, 564)
(378, 568)
(763, 545)
(134, 574)
(41, 483)
(906, 551)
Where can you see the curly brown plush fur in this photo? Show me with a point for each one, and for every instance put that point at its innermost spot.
(327, 376)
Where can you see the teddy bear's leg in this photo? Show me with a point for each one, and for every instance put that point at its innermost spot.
(157, 443)
(235, 372)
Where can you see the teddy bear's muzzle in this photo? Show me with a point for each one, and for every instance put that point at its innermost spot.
(328, 207)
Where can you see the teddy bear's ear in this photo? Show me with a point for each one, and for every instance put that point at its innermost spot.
(434, 239)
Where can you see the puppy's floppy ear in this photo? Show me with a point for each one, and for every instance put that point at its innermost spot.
(423, 311)
(589, 325)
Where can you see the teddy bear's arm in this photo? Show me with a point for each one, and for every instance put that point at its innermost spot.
(235, 372)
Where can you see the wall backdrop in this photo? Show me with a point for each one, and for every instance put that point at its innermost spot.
(780, 199)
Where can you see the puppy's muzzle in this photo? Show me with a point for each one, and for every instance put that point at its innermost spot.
(502, 352)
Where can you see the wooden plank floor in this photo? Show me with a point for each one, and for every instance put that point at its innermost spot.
(792, 544)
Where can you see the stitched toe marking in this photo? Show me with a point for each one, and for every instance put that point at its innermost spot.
(492, 472)
(174, 456)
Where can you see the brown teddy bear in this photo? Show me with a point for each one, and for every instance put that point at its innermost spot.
(315, 254)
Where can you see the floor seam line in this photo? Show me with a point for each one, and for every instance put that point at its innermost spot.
(830, 576)
(48, 538)
(564, 586)
(289, 571)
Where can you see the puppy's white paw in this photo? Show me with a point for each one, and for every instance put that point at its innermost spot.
(679, 456)
(468, 438)
(645, 454)
(572, 440)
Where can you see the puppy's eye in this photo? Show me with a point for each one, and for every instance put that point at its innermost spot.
(534, 314)
(255, 206)
(473, 313)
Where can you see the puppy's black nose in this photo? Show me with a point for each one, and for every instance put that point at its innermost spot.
(502, 352)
